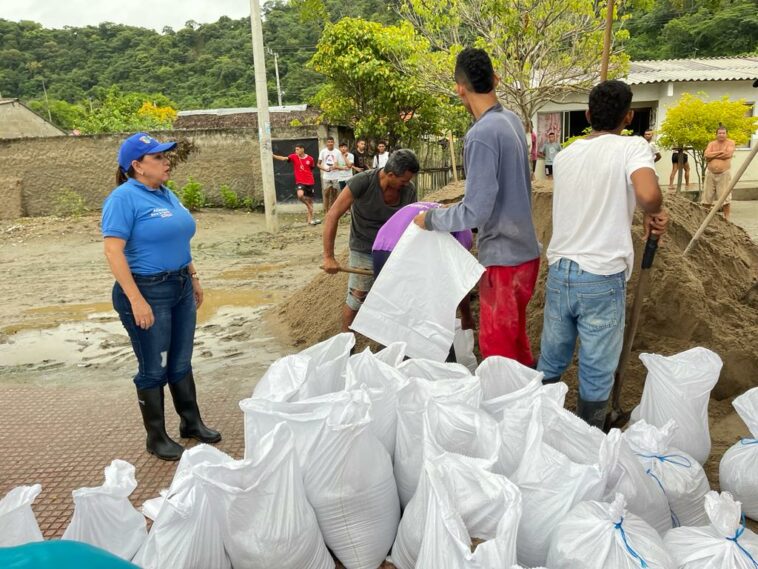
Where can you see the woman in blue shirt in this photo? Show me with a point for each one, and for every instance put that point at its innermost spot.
(147, 234)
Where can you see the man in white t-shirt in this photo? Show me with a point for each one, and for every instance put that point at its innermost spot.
(598, 181)
(345, 165)
(380, 159)
(327, 160)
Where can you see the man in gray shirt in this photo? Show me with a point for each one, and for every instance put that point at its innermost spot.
(498, 203)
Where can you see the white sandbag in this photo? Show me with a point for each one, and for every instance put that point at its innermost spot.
(601, 535)
(104, 516)
(328, 363)
(382, 382)
(285, 380)
(463, 346)
(724, 544)
(515, 413)
(553, 481)
(488, 505)
(505, 381)
(347, 472)
(17, 522)
(574, 437)
(738, 470)
(394, 354)
(185, 535)
(679, 387)
(261, 507)
(679, 476)
(432, 370)
(415, 297)
(463, 502)
(412, 402)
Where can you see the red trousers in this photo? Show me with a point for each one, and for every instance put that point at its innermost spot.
(504, 293)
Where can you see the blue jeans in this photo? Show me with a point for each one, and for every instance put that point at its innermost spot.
(164, 351)
(592, 307)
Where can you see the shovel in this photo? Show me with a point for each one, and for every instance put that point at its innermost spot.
(364, 272)
(617, 417)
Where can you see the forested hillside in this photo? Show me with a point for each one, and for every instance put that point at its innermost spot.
(210, 65)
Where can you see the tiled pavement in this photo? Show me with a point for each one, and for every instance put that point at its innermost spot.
(63, 436)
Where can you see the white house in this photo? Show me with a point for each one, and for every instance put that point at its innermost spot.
(658, 85)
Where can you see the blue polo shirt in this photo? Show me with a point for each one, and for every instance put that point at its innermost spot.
(157, 228)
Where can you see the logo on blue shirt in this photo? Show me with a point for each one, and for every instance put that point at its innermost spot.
(160, 212)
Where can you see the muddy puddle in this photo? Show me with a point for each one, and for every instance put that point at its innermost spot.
(230, 329)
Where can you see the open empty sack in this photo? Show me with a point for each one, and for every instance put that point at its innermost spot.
(723, 544)
(415, 297)
(104, 516)
(347, 472)
(458, 501)
(261, 507)
(17, 522)
(738, 470)
(184, 534)
(679, 387)
(679, 476)
(600, 535)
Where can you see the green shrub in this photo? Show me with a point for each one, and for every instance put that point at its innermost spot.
(69, 203)
(252, 204)
(192, 195)
(229, 197)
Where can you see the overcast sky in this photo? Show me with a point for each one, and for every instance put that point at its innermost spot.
(145, 13)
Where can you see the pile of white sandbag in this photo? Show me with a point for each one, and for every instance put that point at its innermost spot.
(357, 457)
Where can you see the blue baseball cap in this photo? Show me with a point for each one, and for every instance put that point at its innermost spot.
(137, 145)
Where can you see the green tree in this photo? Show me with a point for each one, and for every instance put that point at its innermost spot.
(66, 116)
(365, 89)
(543, 50)
(693, 121)
(129, 112)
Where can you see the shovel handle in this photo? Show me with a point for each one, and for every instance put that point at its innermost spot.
(651, 246)
(364, 272)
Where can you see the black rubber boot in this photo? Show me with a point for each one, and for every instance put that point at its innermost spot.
(158, 441)
(185, 403)
(593, 412)
(549, 380)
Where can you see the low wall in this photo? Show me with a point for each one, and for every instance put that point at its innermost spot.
(42, 175)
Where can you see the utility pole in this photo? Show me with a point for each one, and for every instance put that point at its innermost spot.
(47, 102)
(278, 86)
(264, 123)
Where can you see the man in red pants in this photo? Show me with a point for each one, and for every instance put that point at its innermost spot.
(498, 203)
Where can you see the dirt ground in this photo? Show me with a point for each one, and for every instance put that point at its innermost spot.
(57, 327)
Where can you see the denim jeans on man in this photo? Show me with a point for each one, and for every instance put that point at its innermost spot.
(164, 351)
(590, 306)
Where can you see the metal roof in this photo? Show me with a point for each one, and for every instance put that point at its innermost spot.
(243, 110)
(698, 69)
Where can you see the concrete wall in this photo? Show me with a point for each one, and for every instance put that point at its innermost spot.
(17, 121)
(50, 170)
(662, 96)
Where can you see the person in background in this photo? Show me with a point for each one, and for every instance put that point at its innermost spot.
(373, 197)
(675, 168)
(718, 175)
(648, 135)
(327, 160)
(381, 155)
(549, 150)
(533, 150)
(147, 233)
(362, 160)
(497, 202)
(598, 181)
(344, 165)
(305, 185)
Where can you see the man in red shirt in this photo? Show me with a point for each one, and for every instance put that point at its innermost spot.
(303, 166)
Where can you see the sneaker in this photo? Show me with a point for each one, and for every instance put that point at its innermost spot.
(315, 222)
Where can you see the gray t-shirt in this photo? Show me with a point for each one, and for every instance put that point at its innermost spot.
(369, 212)
(498, 199)
(550, 149)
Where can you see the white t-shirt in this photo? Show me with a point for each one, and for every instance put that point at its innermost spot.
(653, 149)
(328, 159)
(594, 201)
(345, 174)
(381, 159)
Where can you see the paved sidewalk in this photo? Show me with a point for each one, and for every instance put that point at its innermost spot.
(63, 436)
